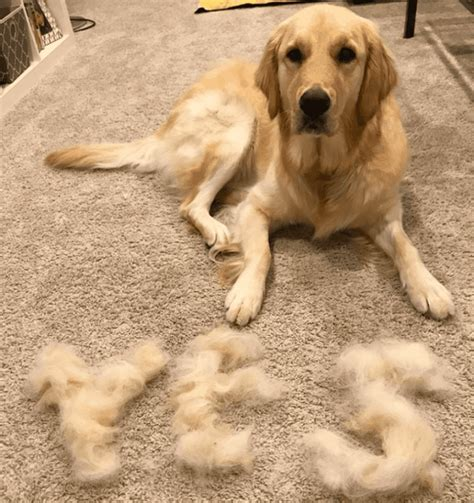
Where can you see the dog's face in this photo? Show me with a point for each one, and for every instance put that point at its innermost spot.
(322, 63)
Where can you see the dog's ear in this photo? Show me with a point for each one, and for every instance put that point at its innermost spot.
(266, 76)
(380, 76)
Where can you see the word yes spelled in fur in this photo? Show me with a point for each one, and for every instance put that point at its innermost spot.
(378, 375)
(91, 403)
(204, 383)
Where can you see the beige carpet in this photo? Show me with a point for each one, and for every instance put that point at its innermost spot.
(102, 260)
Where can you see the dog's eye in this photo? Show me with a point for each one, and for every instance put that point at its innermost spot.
(295, 55)
(346, 55)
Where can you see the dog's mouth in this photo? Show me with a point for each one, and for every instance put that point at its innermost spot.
(315, 126)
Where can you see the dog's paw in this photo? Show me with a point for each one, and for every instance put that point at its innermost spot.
(244, 300)
(429, 296)
(215, 233)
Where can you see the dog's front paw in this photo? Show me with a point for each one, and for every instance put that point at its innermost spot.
(244, 300)
(429, 296)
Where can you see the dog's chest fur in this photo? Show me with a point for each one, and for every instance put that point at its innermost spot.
(329, 182)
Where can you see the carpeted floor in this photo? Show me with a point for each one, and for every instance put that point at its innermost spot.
(102, 260)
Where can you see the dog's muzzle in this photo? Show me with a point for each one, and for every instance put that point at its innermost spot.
(314, 105)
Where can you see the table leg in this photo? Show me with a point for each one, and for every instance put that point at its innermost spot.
(410, 18)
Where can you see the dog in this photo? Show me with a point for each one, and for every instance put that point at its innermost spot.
(311, 135)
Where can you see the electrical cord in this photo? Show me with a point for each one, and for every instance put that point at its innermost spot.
(80, 23)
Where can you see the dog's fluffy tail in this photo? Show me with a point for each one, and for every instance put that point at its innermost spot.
(141, 155)
(206, 132)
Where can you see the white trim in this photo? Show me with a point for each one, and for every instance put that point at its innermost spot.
(42, 61)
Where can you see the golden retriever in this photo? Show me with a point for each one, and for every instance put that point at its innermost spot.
(312, 135)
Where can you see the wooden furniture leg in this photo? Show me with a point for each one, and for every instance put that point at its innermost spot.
(410, 19)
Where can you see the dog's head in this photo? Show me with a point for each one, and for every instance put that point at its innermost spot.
(322, 63)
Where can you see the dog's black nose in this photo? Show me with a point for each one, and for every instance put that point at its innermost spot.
(314, 102)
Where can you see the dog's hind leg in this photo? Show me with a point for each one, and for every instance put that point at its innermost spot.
(213, 141)
(196, 206)
(197, 210)
(199, 149)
